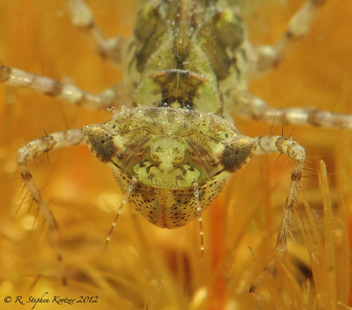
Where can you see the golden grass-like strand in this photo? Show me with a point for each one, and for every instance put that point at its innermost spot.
(329, 255)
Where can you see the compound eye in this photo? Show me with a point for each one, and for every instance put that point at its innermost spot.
(238, 153)
(100, 142)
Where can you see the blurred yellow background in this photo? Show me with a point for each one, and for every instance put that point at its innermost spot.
(145, 264)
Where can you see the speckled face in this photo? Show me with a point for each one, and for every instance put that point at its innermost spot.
(169, 151)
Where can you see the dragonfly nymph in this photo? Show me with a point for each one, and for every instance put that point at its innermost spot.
(171, 142)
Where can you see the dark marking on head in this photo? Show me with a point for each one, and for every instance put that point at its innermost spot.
(237, 154)
(100, 142)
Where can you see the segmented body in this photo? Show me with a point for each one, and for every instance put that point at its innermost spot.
(183, 53)
(188, 65)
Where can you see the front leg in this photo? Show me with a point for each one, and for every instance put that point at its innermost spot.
(270, 144)
(27, 154)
